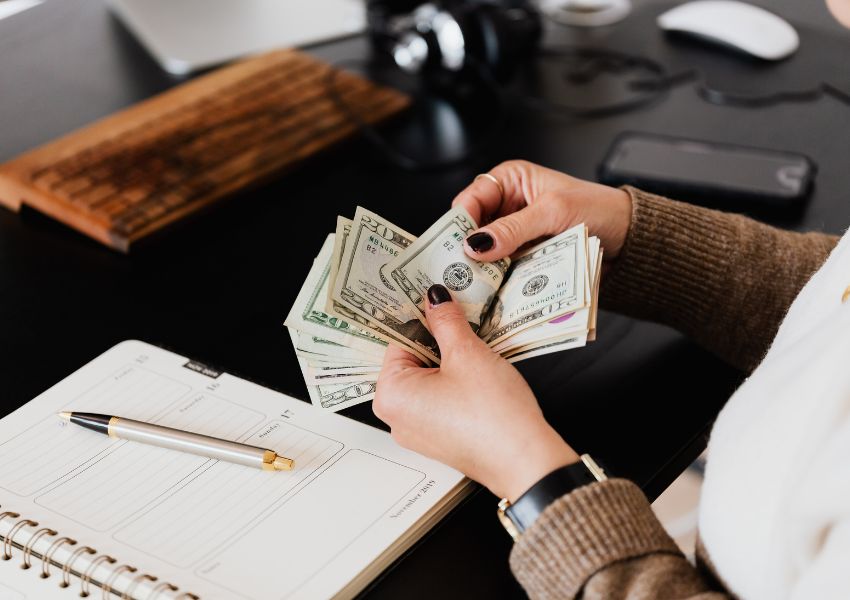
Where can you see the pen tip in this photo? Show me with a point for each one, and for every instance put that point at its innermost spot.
(64, 415)
(282, 463)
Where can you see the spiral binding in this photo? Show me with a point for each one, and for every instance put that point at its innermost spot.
(85, 576)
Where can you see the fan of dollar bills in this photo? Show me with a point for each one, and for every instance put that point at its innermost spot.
(367, 288)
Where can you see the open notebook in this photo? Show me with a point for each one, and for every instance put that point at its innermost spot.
(154, 523)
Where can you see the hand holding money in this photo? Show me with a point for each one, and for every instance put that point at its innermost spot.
(532, 202)
(367, 289)
(454, 416)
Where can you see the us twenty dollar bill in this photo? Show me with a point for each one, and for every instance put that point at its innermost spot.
(343, 230)
(545, 281)
(308, 313)
(363, 284)
(334, 397)
(437, 256)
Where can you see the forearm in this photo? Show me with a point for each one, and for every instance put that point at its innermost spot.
(603, 541)
(723, 279)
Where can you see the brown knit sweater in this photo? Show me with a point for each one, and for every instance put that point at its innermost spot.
(727, 282)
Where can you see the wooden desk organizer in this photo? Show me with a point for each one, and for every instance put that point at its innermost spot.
(134, 172)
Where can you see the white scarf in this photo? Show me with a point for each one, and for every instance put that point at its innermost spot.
(775, 506)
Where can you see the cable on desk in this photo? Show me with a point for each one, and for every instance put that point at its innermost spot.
(587, 64)
(584, 66)
(782, 97)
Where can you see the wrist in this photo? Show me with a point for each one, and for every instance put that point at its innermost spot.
(517, 516)
(607, 211)
(535, 460)
(619, 220)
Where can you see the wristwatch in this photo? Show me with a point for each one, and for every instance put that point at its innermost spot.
(518, 516)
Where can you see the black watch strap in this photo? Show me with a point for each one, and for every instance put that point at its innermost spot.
(534, 501)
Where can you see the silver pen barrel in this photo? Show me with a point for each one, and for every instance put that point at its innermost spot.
(195, 443)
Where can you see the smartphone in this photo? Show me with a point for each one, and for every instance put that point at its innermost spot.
(708, 172)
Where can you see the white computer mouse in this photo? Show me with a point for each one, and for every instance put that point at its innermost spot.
(740, 25)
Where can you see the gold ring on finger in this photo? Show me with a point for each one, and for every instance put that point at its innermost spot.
(498, 183)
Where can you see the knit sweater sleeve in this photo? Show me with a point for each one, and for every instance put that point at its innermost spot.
(724, 280)
(602, 541)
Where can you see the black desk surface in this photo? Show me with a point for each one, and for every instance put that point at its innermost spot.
(641, 398)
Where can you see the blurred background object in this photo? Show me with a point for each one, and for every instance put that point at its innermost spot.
(11, 7)
(586, 13)
(190, 35)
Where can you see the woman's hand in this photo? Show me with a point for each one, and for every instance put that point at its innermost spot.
(540, 202)
(474, 413)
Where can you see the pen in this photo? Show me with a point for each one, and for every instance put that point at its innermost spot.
(176, 439)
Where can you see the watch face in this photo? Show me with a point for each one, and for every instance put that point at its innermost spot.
(505, 520)
(595, 470)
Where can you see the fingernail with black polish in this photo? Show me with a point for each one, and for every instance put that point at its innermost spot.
(437, 294)
(481, 241)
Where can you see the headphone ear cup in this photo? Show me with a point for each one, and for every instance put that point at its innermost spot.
(485, 39)
(498, 37)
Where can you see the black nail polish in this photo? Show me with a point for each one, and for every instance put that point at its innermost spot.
(437, 294)
(481, 241)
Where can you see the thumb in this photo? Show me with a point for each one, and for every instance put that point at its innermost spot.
(447, 322)
(503, 236)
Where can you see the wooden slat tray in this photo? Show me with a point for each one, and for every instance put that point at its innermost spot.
(135, 172)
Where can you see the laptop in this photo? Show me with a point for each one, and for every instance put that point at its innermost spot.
(186, 36)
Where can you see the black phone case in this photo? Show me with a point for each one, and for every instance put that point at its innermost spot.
(718, 193)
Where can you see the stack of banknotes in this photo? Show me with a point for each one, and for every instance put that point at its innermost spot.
(367, 288)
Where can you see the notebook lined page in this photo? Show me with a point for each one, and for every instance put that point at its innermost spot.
(130, 475)
(231, 496)
(211, 528)
(372, 485)
(45, 452)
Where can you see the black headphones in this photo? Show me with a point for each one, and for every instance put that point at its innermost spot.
(454, 35)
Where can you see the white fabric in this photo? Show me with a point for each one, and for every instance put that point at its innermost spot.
(775, 507)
